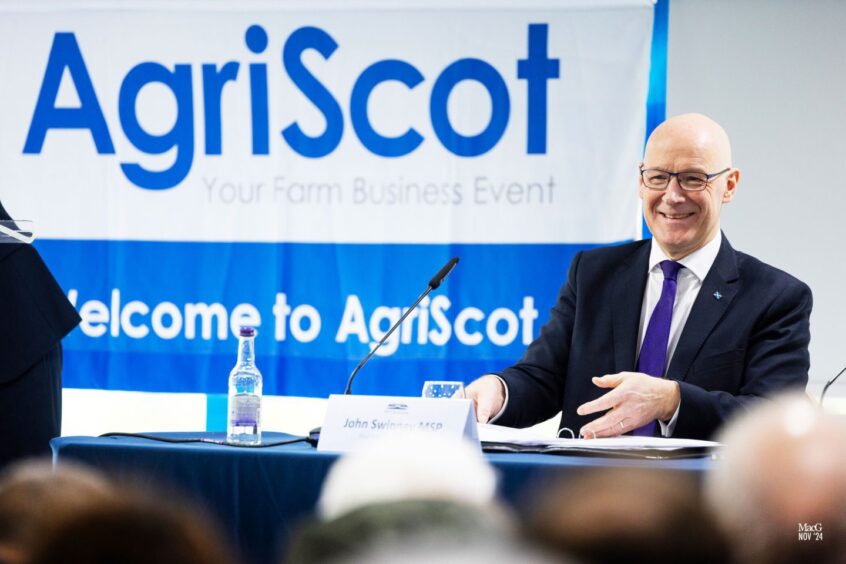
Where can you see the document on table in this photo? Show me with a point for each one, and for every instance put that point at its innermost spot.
(528, 438)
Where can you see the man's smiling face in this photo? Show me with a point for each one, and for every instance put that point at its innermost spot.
(683, 221)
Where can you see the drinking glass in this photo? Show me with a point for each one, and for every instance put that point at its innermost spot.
(443, 389)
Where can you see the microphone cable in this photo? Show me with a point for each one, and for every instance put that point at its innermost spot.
(221, 442)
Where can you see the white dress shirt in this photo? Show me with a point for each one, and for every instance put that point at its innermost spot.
(688, 283)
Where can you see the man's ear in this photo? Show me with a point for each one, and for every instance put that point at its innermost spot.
(732, 180)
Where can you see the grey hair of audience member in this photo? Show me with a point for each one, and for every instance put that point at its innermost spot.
(403, 490)
(397, 525)
(625, 515)
(408, 467)
(471, 551)
(783, 469)
(35, 497)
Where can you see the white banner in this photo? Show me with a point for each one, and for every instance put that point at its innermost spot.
(355, 125)
(305, 168)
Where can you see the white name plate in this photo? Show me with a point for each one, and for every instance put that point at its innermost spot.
(354, 421)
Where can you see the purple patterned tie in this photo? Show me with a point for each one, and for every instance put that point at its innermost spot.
(653, 352)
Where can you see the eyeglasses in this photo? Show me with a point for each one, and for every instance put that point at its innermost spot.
(657, 179)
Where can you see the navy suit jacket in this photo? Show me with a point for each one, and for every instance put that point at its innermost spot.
(34, 312)
(749, 343)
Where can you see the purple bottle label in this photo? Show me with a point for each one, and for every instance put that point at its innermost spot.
(245, 410)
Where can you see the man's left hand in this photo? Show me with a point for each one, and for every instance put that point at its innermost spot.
(635, 400)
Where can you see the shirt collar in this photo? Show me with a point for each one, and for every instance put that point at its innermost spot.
(698, 262)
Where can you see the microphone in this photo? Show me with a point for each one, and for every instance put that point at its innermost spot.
(433, 284)
(829, 383)
(442, 274)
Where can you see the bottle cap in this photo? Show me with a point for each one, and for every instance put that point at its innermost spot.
(248, 331)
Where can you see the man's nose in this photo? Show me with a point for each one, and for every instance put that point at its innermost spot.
(674, 192)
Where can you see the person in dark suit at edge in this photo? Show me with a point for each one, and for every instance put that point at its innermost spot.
(668, 336)
(34, 317)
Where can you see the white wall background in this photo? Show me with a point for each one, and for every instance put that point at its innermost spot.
(773, 73)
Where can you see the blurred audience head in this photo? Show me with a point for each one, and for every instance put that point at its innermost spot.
(398, 493)
(398, 468)
(36, 498)
(471, 551)
(135, 528)
(397, 528)
(626, 515)
(780, 489)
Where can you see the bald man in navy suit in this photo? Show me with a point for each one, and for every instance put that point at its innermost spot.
(34, 317)
(717, 328)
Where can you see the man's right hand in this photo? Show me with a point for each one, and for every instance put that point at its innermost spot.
(488, 395)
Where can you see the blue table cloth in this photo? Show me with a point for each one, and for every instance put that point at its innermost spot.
(261, 495)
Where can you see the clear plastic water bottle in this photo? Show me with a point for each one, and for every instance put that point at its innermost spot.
(244, 421)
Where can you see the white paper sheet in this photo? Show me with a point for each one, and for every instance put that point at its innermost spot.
(527, 437)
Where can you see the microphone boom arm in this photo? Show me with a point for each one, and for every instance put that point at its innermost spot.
(828, 385)
(433, 283)
(348, 390)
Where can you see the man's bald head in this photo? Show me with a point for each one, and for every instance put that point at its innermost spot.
(683, 219)
(692, 131)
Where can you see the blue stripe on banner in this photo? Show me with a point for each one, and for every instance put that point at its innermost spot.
(216, 405)
(160, 315)
(656, 100)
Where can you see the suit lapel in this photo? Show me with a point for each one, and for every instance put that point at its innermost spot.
(716, 295)
(629, 286)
